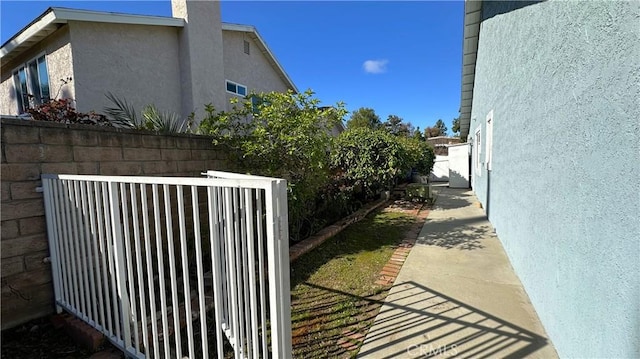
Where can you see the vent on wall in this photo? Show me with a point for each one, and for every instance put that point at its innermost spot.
(246, 47)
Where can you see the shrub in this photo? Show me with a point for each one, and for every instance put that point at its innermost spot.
(284, 135)
(375, 160)
(124, 114)
(420, 154)
(370, 159)
(62, 110)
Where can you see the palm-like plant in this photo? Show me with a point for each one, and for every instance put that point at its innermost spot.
(162, 122)
(123, 114)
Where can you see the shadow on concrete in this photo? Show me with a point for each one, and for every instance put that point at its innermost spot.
(457, 235)
(463, 233)
(455, 198)
(438, 325)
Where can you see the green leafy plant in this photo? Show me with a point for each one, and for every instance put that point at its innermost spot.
(370, 159)
(123, 114)
(420, 154)
(285, 135)
(162, 122)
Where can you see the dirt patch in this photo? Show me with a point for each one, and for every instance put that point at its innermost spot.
(40, 339)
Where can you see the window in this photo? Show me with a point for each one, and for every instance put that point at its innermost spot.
(237, 89)
(489, 141)
(246, 47)
(31, 82)
(477, 144)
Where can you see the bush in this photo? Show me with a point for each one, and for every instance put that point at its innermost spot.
(420, 154)
(284, 135)
(124, 115)
(62, 111)
(369, 159)
(375, 160)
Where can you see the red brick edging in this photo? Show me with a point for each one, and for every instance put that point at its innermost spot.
(390, 271)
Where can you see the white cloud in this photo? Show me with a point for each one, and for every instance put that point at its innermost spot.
(375, 66)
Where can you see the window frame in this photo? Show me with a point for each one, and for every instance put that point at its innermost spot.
(489, 141)
(25, 102)
(477, 142)
(237, 85)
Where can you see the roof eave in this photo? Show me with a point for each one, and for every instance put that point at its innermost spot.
(472, 20)
(263, 48)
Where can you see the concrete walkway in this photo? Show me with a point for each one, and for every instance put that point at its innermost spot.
(457, 295)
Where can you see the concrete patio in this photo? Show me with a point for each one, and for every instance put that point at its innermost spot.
(457, 295)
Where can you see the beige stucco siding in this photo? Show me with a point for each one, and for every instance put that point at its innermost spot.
(59, 58)
(253, 70)
(138, 63)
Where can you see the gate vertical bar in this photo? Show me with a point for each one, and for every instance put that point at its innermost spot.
(128, 256)
(148, 250)
(233, 316)
(172, 272)
(185, 271)
(201, 298)
(261, 266)
(119, 258)
(278, 254)
(53, 239)
(140, 274)
(252, 271)
(88, 254)
(160, 266)
(216, 266)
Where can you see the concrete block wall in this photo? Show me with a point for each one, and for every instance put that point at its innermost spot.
(31, 148)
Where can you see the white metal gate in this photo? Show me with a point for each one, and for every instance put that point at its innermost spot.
(169, 267)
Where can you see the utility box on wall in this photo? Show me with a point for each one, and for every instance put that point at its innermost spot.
(459, 165)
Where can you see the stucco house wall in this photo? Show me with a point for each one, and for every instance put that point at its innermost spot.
(561, 79)
(177, 63)
(59, 56)
(134, 62)
(252, 70)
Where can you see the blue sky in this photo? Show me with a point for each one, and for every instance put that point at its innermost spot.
(401, 58)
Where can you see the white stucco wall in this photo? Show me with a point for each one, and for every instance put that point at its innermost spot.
(135, 62)
(59, 58)
(440, 171)
(253, 70)
(459, 166)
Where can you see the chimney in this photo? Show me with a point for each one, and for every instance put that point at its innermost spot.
(201, 55)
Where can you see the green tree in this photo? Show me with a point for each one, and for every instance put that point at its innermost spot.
(441, 126)
(284, 135)
(455, 126)
(439, 129)
(419, 154)
(369, 159)
(364, 118)
(374, 159)
(431, 132)
(417, 134)
(396, 126)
